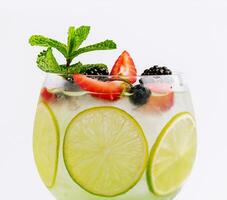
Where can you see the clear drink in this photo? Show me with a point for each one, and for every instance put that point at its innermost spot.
(88, 148)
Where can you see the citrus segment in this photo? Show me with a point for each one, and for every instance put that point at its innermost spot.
(46, 144)
(173, 155)
(105, 151)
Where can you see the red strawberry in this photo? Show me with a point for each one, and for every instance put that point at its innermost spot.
(109, 90)
(46, 95)
(162, 97)
(161, 101)
(125, 68)
(159, 87)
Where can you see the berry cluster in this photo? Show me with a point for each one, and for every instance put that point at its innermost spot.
(100, 72)
(96, 71)
(97, 81)
(140, 93)
(157, 70)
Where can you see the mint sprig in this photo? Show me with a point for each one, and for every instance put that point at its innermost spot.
(47, 62)
(76, 36)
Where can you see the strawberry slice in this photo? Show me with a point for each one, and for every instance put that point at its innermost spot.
(47, 96)
(159, 87)
(109, 90)
(162, 97)
(162, 102)
(159, 102)
(125, 68)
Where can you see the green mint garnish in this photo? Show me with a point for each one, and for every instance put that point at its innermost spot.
(106, 45)
(47, 62)
(39, 40)
(76, 36)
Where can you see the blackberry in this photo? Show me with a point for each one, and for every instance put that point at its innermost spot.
(157, 70)
(140, 94)
(99, 72)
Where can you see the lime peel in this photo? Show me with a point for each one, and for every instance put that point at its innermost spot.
(105, 151)
(46, 144)
(172, 156)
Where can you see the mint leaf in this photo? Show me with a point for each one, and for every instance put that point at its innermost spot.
(72, 69)
(71, 40)
(106, 45)
(47, 62)
(39, 40)
(81, 35)
(76, 37)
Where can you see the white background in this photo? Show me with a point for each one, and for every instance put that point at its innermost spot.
(189, 36)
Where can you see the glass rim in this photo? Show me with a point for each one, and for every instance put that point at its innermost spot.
(174, 80)
(174, 74)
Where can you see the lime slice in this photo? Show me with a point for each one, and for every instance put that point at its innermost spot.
(173, 155)
(105, 151)
(46, 144)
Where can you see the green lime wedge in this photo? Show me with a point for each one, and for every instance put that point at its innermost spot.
(46, 144)
(105, 151)
(173, 155)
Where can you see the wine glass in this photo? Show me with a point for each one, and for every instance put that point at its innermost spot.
(110, 145)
